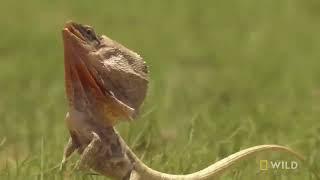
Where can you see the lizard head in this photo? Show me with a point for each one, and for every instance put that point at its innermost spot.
(103, 79)
(82, 34)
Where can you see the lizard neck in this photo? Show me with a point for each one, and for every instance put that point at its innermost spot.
(81, 125)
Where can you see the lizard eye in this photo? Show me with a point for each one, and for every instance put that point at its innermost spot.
(89, 32)
(90, 35)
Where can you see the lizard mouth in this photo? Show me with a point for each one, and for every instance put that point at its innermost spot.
(72, 29)
(81, 82)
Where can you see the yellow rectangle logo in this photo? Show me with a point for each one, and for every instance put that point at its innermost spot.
(263, 165)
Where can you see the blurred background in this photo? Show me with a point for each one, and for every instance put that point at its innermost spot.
(225, 75)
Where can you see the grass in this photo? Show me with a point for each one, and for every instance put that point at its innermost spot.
(225, 75)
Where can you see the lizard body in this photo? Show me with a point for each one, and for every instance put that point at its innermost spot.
(106, 82)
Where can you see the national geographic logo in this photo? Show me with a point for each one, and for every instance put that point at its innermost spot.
(266, 165)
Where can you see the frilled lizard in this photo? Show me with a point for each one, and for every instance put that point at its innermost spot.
(105, 83)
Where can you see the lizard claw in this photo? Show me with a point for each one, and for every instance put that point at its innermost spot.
(95, 136)
(62, 165)
(68, 150)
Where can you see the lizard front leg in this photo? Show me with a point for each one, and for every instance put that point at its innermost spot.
(88, 156)
(101, 156)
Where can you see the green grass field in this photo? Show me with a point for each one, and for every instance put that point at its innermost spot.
(225, 75)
